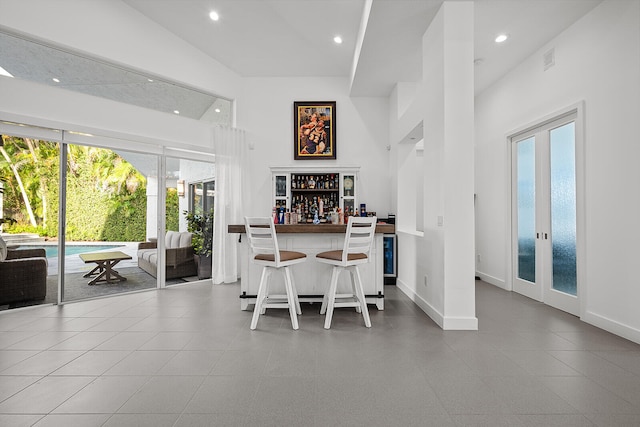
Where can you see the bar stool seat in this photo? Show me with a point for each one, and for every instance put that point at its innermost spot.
(357, 246)
(264, 247)
(284, 256)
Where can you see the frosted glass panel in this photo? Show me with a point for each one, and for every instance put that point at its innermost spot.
(526, 209)
(563, 208)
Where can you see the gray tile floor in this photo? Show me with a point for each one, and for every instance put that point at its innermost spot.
(185, 356)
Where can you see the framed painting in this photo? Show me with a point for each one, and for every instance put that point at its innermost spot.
(314, 130)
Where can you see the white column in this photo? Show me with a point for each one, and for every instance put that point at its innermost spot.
(152, 207)
(448, 99)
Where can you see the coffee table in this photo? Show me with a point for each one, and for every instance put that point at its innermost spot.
(104, 270)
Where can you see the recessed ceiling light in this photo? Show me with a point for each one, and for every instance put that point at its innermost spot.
(56, 80)
(150, 80)
(501, 38)
(214, 15)
(217, 110)
(176, 112)
(337, 39)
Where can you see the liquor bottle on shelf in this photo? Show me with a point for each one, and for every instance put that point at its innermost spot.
(312, 183)
(293, 181)
(281, 215)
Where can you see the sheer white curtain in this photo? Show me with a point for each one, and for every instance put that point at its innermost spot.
(230, 150)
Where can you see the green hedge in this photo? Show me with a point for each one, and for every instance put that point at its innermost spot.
(97, 209)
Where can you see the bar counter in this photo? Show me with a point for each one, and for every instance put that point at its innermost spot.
(311, 277)
(312, 228)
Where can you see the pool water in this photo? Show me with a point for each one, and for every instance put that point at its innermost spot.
(52, 251)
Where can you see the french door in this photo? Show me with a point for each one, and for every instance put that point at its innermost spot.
(544, 212)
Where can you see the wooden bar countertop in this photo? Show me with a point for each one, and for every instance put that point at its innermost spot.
(312, 228)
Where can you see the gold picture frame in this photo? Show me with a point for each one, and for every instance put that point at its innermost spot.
(314, 130)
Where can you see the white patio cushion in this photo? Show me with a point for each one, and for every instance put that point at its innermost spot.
(175, 239)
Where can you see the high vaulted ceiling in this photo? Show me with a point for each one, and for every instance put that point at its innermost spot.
(382, 45)
(295, 37)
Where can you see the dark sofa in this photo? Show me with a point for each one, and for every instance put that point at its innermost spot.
(23, 275)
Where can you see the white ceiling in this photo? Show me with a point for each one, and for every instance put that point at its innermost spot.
(295, 37)
(286, 38)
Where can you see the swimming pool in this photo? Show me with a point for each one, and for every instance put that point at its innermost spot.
(52, 251)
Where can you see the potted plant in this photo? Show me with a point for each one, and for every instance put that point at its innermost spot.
(201, 225)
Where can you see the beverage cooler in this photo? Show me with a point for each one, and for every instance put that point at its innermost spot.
(390, 255)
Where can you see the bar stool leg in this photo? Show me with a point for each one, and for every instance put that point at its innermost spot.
(363, 300)
(353, 287)
(267, 285)
(325, 298)
(259, 298)
(295, 292)
(293, 312)
(331, 297)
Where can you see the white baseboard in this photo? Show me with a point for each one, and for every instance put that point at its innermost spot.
(594, 319)
(460, 324)
(446, 323)
(612, 326)
(492, 280)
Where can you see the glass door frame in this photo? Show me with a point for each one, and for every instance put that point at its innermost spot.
(542, 289)
(81, 139)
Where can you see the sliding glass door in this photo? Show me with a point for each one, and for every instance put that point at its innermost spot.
(190, 191)
(29, 214)
(108, 198)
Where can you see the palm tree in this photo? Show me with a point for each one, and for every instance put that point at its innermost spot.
(14, 166)
(30, 168)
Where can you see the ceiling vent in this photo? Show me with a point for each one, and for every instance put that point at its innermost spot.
(549, 59)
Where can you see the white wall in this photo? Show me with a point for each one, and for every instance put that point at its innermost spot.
(112, 30)
(598, 62)
(266, 113)
(265, 106)
(47, 106)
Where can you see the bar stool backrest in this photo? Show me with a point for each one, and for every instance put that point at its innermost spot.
(359, 236)
(262, 237)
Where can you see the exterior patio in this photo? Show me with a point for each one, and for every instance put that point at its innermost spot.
(76, 286)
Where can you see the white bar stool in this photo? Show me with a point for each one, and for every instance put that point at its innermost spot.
(264, 247)
(357, 246)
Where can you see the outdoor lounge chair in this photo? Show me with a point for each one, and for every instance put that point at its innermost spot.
(180, 260)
